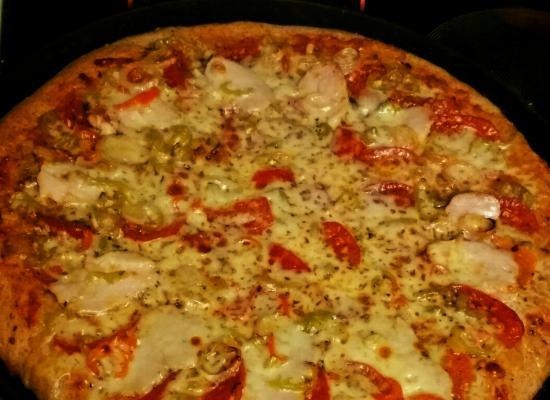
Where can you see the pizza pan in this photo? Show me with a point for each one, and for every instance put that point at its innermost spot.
(21, 80)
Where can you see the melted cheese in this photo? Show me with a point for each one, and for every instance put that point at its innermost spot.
(226, 288)
(415, 373)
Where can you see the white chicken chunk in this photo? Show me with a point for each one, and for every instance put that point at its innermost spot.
(107, 282)
(474, 203)
(245, 89)
(323, 94)
(66, 183)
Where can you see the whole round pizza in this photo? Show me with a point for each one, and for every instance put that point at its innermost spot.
(257, 212)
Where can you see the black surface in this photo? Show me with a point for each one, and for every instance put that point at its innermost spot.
(27, 71)
(512, 44)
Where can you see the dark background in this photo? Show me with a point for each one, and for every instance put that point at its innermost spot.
(509, 40)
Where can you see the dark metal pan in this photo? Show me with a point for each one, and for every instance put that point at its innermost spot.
(21, 80)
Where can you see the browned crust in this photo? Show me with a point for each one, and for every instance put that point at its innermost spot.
(25, 304)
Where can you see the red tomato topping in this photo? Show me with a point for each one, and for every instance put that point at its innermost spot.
(74, 114)
(156, 393)
(526, 260)
(448, 119)
(204, 242)
(515, 213)
(388, 388)
(119, 347)
(387, 155)
(258, 209)
(342, 241)
(141, 233)
(348, 144)
(406, 100)
(232, 387)
(460, 368)
(177, 73)
(140, 99)
(455, 122)
(498, 314)
(286, 259)
(285, 305)
(264, 177)
(319, 389)
(241, 49)
(76, 230)
(357, 79)
(402, 193)
(175, 189)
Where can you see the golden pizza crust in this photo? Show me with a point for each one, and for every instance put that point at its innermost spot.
(26, 305)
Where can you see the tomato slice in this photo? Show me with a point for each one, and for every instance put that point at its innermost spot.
(177, 73)
(141, 233)
(285, 305)
(119, 347)
(348, 144)
(342, 242)
(515, 213)
(403, 194)
(320, 388)
(287, 259)
(264, 177)
(447, 118)
(156, 393)
(232, 387)
(241, 49)
(460, 368)
(76, 230)
(510, 326)
(526, 260)
(140, 99)
(388, 388)
(357, 79)
(257, 209)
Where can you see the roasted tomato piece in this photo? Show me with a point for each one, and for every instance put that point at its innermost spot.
(76, 230)
(231, 388)
(319, 389)
(460, 368)
(141, 233)
(342, 242)
(257, 209)
(264, 177)
(287, 259)
(515, 213)
(509, 325)
(388, 388)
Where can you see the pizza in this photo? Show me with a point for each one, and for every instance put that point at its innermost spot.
(248, 211)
